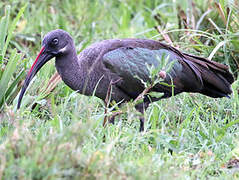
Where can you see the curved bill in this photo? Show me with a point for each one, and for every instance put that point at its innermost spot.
(41, 59)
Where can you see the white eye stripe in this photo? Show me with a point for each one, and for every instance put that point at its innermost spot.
(62, 50)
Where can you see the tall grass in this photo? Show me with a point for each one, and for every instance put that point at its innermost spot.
(60, 136)
(8, 87)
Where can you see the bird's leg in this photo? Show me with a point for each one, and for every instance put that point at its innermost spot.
(142, 106)
(141, 127)
(140, 109)
(107, 100)
(112, 120)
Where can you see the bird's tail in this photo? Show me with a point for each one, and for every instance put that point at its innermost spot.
(215, 77)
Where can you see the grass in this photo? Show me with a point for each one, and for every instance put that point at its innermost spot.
(62, 137)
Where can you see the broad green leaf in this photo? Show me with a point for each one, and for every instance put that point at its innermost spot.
(156, 94)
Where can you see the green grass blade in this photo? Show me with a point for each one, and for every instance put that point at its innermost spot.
(8, 72)
(11, 90)
(1, 72)
(11, 29)
(3, 27)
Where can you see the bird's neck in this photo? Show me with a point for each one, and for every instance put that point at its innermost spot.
(71, 70)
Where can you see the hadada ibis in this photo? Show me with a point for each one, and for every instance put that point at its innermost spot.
(123, 61)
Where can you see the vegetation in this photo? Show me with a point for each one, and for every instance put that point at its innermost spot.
(58, 134)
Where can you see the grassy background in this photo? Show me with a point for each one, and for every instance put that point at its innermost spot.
(62, 137)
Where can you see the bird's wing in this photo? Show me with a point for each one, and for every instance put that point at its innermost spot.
(131, 64)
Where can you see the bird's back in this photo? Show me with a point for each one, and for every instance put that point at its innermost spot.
(107, 61)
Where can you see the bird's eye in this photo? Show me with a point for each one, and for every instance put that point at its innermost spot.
(55, 41)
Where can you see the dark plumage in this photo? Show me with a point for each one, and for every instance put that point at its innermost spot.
(121, 60)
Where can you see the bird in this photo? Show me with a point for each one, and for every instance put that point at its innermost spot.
(122, 64)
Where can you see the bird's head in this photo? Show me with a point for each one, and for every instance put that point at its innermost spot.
(55, 43)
